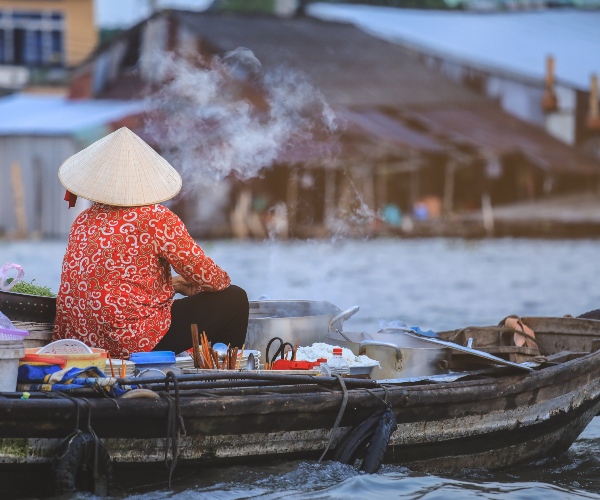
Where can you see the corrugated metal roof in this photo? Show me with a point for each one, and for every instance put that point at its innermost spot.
(490, 129)
(512, 41)
(27, 114)
(350, 67)
(382, 126)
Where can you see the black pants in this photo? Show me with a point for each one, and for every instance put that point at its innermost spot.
(222, 315)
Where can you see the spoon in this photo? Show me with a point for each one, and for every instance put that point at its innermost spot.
(251, 362)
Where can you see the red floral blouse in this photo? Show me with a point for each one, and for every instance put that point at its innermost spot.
(115, 291)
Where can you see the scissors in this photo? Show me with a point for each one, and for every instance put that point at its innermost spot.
(280, 351)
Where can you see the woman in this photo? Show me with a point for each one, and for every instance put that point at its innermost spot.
(116, 289)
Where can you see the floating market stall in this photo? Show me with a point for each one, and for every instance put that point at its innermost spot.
(496, 401)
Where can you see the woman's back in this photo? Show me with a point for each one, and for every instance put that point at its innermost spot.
(116, 290)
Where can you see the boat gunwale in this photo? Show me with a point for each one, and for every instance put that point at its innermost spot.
(458, 392)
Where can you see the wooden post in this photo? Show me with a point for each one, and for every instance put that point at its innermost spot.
(329, 193)
(368, 188)
(549, 100)
(415, 184)
(448, 202)
(19, 199)
(381, 192)
(487, 213)
(292, 197)
(593, 120)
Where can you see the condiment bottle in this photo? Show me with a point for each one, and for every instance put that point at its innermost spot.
(337, 364)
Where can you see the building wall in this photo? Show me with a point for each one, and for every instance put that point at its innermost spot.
(80, 33)
(38, 158)
(516, 95)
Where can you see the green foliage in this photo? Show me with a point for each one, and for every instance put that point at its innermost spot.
(31, 289)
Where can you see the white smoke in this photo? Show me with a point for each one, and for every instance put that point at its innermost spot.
(226, 116)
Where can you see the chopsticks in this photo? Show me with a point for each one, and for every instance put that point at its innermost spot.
(112, 368)
(238, 362)
(206, 358)
(198, 362)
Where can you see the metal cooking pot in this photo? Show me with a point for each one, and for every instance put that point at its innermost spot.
(302, 321)
(406, 357)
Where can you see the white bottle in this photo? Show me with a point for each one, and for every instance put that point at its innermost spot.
(337, 364)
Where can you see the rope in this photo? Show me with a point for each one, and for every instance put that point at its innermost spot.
(94, 437)
(175, 423)
(171, 440)
(384, 401)
(339, 416)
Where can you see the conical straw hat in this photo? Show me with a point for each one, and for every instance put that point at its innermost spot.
(120, 169)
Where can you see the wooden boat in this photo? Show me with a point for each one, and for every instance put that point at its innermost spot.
(484, 417)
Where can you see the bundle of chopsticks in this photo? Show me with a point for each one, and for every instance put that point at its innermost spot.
(231, 359)
(205, 356)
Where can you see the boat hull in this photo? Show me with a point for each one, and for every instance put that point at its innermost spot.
(492, 423)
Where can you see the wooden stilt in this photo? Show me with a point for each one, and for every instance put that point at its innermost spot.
(448, 202)
(19, 199)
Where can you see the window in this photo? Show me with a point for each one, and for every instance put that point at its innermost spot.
(31, 38)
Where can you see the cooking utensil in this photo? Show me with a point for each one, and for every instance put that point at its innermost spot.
(239, 361)
(221, 350)
(293, 320)
(413, 359)
(198, 362)
(348, 340)
(251, 362)
(280, 350)
(468, 350)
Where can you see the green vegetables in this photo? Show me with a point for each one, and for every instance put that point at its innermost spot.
(31, 289)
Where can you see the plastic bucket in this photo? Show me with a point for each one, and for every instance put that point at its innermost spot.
(10, 352)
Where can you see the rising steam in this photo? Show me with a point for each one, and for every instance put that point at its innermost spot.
(229, 116)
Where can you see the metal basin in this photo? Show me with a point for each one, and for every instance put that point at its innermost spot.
(302, 321)
(406, 358)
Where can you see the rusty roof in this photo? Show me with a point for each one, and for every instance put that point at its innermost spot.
(350, 67)
(381, 126)
(490, 129)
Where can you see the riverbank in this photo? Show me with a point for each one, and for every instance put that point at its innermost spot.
(565, 217)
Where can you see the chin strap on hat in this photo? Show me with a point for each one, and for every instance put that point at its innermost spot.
(71, 198)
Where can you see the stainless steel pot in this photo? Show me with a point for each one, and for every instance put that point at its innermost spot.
(405, 357)
(293, 321)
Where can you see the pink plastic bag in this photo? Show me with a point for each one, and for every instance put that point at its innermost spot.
(5, 276)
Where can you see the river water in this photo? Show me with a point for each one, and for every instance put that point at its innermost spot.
(436, 284)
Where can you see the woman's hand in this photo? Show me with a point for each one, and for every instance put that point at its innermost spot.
(183, 287)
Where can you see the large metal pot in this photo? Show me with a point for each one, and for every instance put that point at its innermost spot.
(302, 321)
(406, 357)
